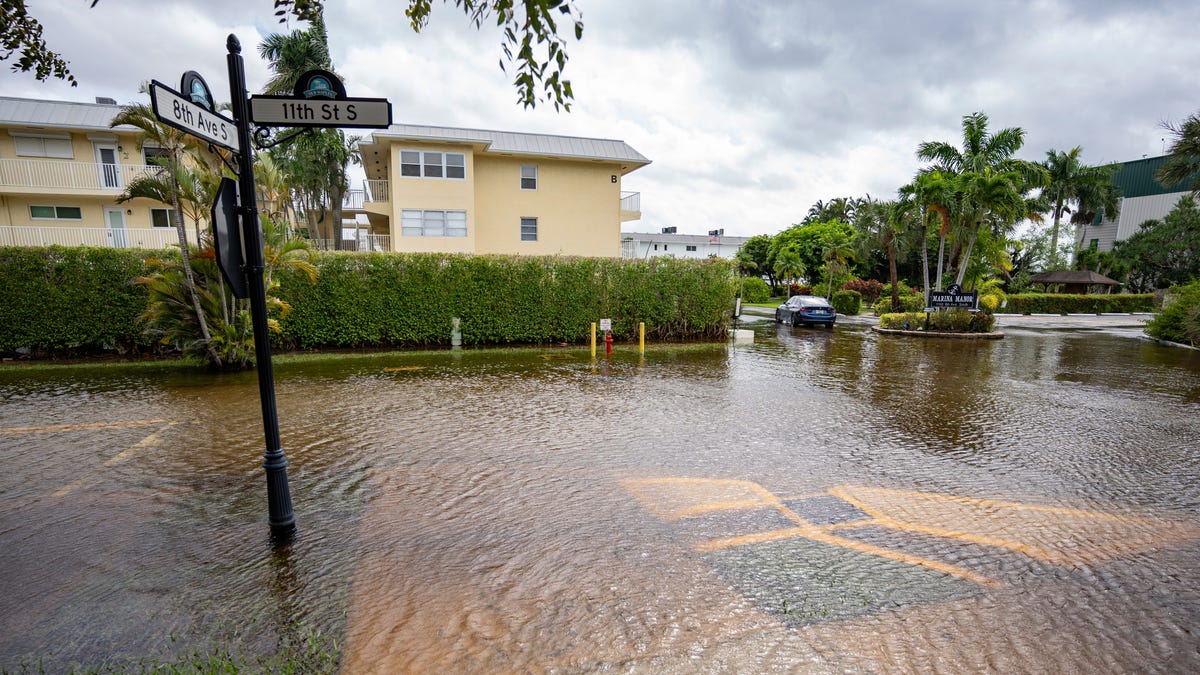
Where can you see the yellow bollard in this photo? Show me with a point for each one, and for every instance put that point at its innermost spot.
(642, 337)
(593, 339)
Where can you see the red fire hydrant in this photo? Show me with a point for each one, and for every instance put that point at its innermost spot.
(608, 342)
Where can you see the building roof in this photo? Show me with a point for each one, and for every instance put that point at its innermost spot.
(29, 112)
(1073, 277)
(658, 238)
(517, 143)
(1136, 178)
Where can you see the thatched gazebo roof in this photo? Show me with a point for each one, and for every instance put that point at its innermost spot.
(1073, 281)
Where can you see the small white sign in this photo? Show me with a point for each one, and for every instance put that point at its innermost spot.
(280, 111)
(176, 111)
(605, 324)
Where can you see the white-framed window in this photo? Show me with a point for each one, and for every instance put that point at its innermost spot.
(690, 247)
(529, 178)
(431, 223)
(528, 229)
(55, 212)
(420, 164)
(162, 217)
(54, 146)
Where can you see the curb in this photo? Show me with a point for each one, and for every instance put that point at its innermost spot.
(996, 335)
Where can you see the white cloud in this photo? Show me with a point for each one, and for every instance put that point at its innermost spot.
(749, 111)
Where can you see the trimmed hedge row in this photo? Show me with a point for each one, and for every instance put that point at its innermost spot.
(84, 298)
(1060, 303)
(847, 302)
(388, 299)
(72, 298)
(956, 321)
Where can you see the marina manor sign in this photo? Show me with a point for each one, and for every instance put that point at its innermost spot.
(954, 296)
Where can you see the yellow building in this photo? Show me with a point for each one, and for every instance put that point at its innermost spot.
(477, 191)
(61, 171)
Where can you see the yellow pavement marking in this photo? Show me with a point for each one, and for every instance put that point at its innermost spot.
(150, 441)
(1056, 535)
(705, 495)
(80, 427)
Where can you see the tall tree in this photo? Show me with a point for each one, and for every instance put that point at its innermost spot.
(1072, 186)
(885, 225)
(988, 157)
(788, 266)
(1184, 162)
(316, 161)
(175, 144)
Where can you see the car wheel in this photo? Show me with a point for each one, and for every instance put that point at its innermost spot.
(796, 321)
(777, 319)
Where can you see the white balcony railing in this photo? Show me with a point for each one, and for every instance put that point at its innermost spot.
(147, 237)
(381, 243)
(28, 173)
(377, 190)
(353, 199)
(631, 201)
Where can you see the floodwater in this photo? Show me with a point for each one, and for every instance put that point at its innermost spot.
(822, 501)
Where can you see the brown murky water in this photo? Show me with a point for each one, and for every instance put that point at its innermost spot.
(821, 501)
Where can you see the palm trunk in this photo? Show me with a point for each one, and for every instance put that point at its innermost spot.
(1058, 206)
(941, 257)
(966, 259)
(893, 273)
(925, 257)
(186, 257)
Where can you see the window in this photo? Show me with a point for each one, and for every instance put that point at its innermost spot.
(416, 164)
(1094, 244)
(529, 229)
(162, 217)
(418, 223)
(58, 147)
(55, 213)
(690, 248)
(529, 178)
(155, 156)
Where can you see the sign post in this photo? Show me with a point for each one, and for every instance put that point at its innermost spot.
(279, 496)
(320, 101)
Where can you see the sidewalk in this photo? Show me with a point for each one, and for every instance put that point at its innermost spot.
(1031, 321)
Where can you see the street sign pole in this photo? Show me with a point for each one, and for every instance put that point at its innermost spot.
(279, 497)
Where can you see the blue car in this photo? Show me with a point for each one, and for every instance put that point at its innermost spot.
(806, 310)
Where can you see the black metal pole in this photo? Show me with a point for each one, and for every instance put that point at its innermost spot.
(279, 497)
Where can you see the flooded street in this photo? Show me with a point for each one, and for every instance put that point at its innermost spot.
(823, 500)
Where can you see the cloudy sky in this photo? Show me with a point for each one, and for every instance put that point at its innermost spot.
(750, 110)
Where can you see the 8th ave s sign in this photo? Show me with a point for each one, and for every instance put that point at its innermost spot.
(174, 110)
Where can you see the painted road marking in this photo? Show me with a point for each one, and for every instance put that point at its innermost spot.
(1064, 536)
(151, 441)
(51, 428)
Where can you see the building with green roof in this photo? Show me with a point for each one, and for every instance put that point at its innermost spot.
(1142, 198)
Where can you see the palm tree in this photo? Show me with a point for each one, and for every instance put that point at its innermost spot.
(1071, 183)
(885, 225)
(996, 200)
(987, 156)
(837, 256)
(1184, 161)
(789, 266)
(175, 143)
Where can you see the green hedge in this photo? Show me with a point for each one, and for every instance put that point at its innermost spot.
(754, 289)
(847, 302)
(82, 298)
(1179, 320)
(956, 321)
(383, 299)
(1059, 303)
(908, 303)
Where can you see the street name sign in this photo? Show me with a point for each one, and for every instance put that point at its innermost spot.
(319, 100)
(287, 111)
(175, 110)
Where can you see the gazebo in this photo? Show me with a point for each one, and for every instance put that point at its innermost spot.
(1074, 281)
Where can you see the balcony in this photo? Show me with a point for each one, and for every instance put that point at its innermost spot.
(147, 237)
(631, 206)
(373, 192)
(28, 175)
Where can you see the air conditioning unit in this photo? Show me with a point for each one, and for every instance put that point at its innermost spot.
(668, 230)
(104, 100)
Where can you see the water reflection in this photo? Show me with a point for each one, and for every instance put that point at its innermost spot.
(472, 510)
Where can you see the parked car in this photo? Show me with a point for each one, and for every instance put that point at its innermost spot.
(804, 310)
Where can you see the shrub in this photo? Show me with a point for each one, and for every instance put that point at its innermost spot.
(847, 302)
(754, 289)
(1179, 320)
(1061, 303)
(909, 302)
(797, 289)
(870, 289)
(77, 298)
(955, 321)
(394, 299)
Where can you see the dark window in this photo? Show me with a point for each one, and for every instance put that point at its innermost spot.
(691, 248)
(529, 178)
(162, 217)
(433, 164)
(410, 163)
(529, 229)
